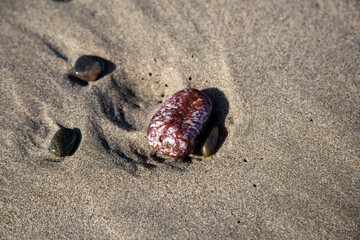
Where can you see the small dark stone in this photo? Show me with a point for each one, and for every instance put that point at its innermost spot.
(89, 68)
(209, 147)
(63, 142)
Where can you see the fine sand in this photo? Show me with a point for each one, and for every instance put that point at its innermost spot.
(284, 79)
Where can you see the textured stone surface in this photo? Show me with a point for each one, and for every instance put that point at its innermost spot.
(175, 128)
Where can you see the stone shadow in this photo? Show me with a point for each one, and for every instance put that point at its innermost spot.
(220, 110)
(77, 141)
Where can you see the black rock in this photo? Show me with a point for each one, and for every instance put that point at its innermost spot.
(209, 146)
(63, 142)
(89, 68)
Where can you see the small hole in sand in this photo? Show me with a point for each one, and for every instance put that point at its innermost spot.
(166, 85)
(245, 160)
(190, 78)
(150, 74)
(254, 185)
(162, 95)
(311, 119)
(238, 221)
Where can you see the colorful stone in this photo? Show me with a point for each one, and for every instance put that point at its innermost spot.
(209, 146)
(63, 142)
(175, 128)
(88, 68)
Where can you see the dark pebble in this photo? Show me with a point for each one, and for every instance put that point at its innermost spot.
(89, 68)
(209, 147)
(63, 142)
(175, 128)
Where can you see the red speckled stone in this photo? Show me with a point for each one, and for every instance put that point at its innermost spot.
(175, 128)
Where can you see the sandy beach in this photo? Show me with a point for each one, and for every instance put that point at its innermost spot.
(283, 78)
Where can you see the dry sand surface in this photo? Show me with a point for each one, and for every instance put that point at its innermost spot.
(283, 76)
